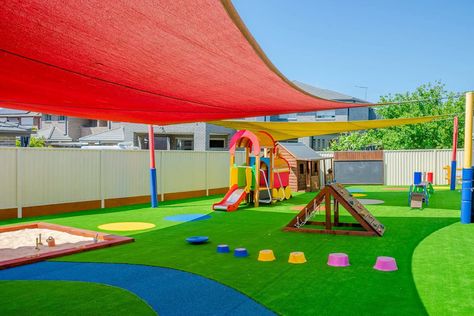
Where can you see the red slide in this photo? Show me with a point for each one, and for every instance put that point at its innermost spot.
(231, 200)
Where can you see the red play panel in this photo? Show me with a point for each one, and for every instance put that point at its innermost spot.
(162, 62)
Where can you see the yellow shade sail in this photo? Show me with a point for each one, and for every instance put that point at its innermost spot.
(288, 130)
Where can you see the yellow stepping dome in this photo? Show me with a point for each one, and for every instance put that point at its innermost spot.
(297, 257)
(266, 255)
(358, 194)
(126, 226)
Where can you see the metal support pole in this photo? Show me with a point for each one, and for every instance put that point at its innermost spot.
(153, 185)
(466, 195)
(453, 157)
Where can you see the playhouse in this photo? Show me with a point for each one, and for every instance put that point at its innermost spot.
(262, 178)
(306, 165)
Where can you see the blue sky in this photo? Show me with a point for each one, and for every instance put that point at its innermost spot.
(388, 46)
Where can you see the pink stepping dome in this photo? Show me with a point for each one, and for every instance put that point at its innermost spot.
(386, 264)
(338, 260)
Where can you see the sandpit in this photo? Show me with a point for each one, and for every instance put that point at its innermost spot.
(18, 242)
(22, 243)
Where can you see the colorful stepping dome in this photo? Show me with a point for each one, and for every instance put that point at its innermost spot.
(187, 217)
(223, 249)
(386, 264)
(338, 260)
(359, 195)
(240, 252)
(196, 240)
(297, 257)
(126, 226)
(266, 255)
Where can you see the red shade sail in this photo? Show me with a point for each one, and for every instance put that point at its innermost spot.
(161, 62)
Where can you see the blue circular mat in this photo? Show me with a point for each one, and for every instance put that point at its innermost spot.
(187, 217)
(196, 240)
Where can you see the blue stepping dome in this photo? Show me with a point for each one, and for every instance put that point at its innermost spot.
(223, 249)
(196, 240)
(240, 252)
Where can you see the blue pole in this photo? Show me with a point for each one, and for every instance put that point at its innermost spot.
(466, 195)
(153, 188)
(153, 185)
(453, 175)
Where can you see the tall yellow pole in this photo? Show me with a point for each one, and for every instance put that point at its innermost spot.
(467, 171)
(468, 130)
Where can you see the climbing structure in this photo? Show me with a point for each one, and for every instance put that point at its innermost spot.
(263, 177)
(332, 197)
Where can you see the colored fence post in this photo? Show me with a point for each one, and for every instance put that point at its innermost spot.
(453, 156)
(466, 195)
(417, 178)
(153, 186)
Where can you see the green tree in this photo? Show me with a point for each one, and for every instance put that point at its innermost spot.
(426, 100)
(34, 142)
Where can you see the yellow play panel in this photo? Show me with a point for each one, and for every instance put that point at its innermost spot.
(358, 194)
(126, 226)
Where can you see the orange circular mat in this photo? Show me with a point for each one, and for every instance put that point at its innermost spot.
(126, 226)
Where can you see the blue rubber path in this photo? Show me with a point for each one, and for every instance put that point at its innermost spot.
(167, 291)
(187, 217)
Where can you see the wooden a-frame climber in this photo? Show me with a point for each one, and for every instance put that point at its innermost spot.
(340, 196)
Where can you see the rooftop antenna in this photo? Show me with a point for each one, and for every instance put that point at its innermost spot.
(366, 88)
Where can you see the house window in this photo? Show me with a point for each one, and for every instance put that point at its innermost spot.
(47, 117)
(323, 143)
(61, 118)
(184, 144)
(217, 142)
(161, 142)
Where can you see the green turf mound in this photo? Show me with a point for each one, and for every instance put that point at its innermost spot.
(443, 268)
(68, 298)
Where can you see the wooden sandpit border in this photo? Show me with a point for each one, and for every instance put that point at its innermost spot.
(105, 240)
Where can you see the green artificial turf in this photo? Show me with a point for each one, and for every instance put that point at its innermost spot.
(443, 269)
(307, 289)
(35, 298)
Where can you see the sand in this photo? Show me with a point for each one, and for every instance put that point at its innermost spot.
(22, 243)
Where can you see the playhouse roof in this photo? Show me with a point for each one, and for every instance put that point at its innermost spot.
(302, 152)
(160, 62)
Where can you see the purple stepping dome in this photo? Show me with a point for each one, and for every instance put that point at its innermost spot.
(223, 249)
(338, 260)
(386, 264)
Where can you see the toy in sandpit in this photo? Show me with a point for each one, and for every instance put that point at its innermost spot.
(263, 178)
(197, 240)
(335, 194)
(419, 192)
(51, 242)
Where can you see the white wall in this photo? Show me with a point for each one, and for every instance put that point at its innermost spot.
(42, 176)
